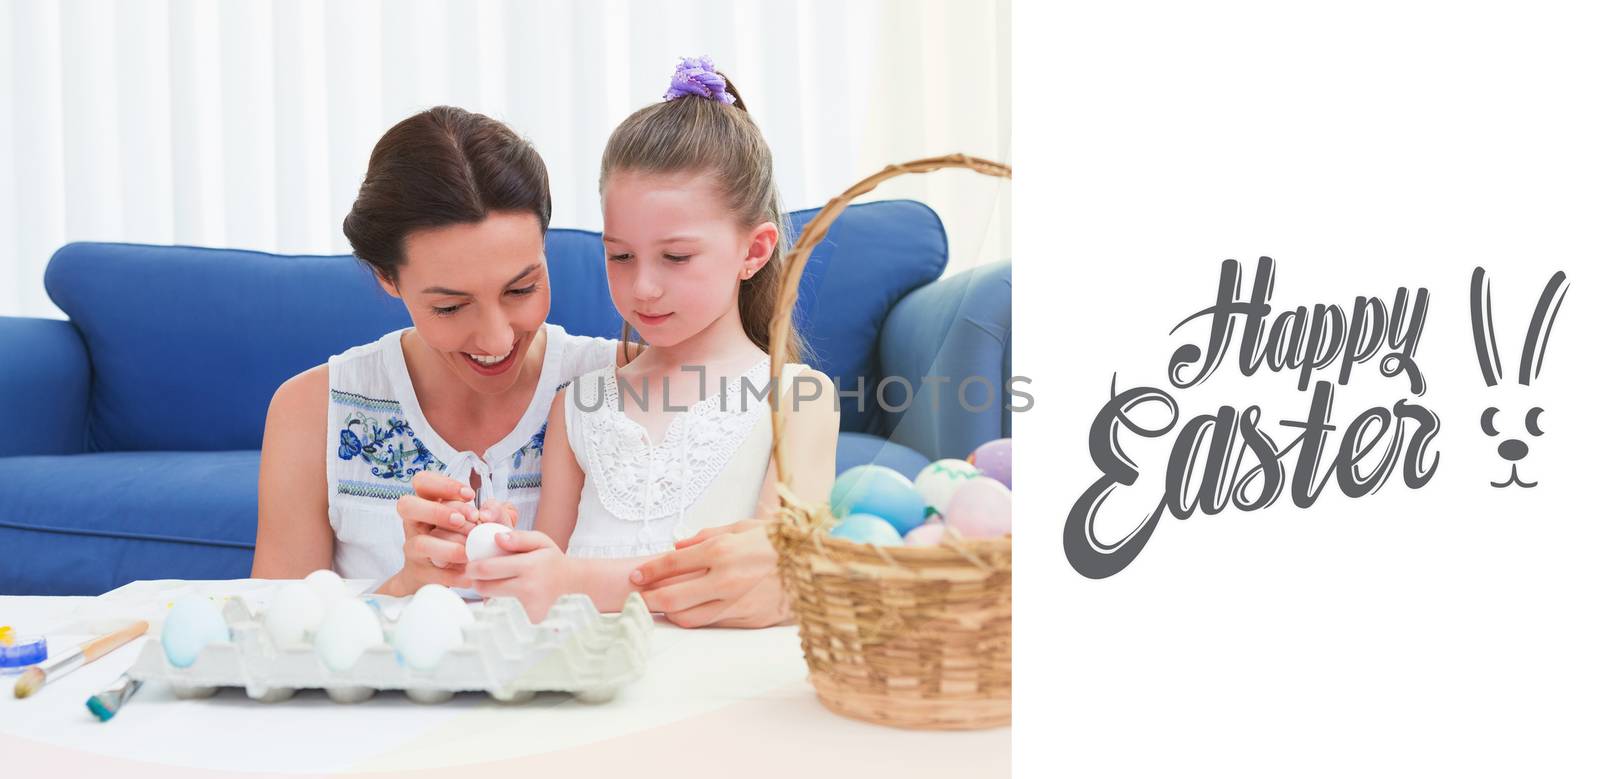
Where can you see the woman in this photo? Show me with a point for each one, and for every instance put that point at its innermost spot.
(377, 463)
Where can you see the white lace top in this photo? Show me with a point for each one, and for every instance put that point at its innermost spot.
(708, 469)
(378, 439)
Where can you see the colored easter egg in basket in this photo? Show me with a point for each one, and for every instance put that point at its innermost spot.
(193, 624)
(294, 613)
(481, 544)
(867, 529)
(981, 508)
(994, 459)
(879, 491)
(349, 630)
(426, 631)
(937, 482)
(929, 534)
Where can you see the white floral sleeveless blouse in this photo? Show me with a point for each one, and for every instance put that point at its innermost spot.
(639, 496)
(378, 439)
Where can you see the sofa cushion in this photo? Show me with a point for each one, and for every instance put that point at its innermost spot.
(189, 344)
(873, 255)
(957, 329)
(580, 298)
(87, 523)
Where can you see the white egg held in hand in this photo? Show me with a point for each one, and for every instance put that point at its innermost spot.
(193, 624)
(427, 630)
(481, 544)
(294, 614)
(349, 630)
(937, 482)
(454, 607)
(981, 508)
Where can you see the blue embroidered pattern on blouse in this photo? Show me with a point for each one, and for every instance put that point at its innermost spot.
(389, 445)
(535, 447)
(362, 489)
(365, 403)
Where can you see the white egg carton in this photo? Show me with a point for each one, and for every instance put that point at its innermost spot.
(576, 649)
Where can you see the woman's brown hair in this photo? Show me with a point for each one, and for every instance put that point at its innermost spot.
(441, 167)
(697, 134)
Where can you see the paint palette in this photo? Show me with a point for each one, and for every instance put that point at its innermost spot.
(575, 649)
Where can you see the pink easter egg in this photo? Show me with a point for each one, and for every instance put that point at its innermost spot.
(980, 508)
(926, 535)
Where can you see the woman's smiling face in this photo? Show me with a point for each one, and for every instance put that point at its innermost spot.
(477, 293)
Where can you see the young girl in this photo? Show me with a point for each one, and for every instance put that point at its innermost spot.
(640, 459)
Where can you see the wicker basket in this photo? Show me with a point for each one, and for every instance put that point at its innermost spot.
(915, 637)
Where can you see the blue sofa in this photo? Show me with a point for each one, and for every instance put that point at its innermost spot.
(130, 434)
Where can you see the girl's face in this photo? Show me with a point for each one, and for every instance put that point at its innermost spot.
(477, 293)
(674, 255)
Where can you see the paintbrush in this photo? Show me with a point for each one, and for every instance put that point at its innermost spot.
(57, 667)
(105, 705)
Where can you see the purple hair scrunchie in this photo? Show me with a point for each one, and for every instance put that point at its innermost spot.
(696, 76)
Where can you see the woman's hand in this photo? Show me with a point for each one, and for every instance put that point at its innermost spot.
(723, 576)
(535, 572)
(492, 511)
(436, 521)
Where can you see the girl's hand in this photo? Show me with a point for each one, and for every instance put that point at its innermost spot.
(737, 585)
(536, 572)
(441, 504)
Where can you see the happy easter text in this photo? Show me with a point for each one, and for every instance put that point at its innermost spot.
(1206, 468)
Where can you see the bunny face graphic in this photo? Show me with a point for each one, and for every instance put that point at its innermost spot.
(1503, 424)
(1512, 448)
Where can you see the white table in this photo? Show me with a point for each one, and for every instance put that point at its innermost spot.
(711, 703)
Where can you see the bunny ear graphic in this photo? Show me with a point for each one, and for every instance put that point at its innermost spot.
(1483, 329)
(1544, 318)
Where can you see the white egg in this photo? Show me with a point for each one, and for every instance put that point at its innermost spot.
(426, 631)
(328, 586)
(349, 630)
(454, 606)
(480, 542)
(940, 480)
(294, 613)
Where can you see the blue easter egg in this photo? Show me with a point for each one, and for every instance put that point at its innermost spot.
(193, 624)
(867, 529)
(881, 492)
